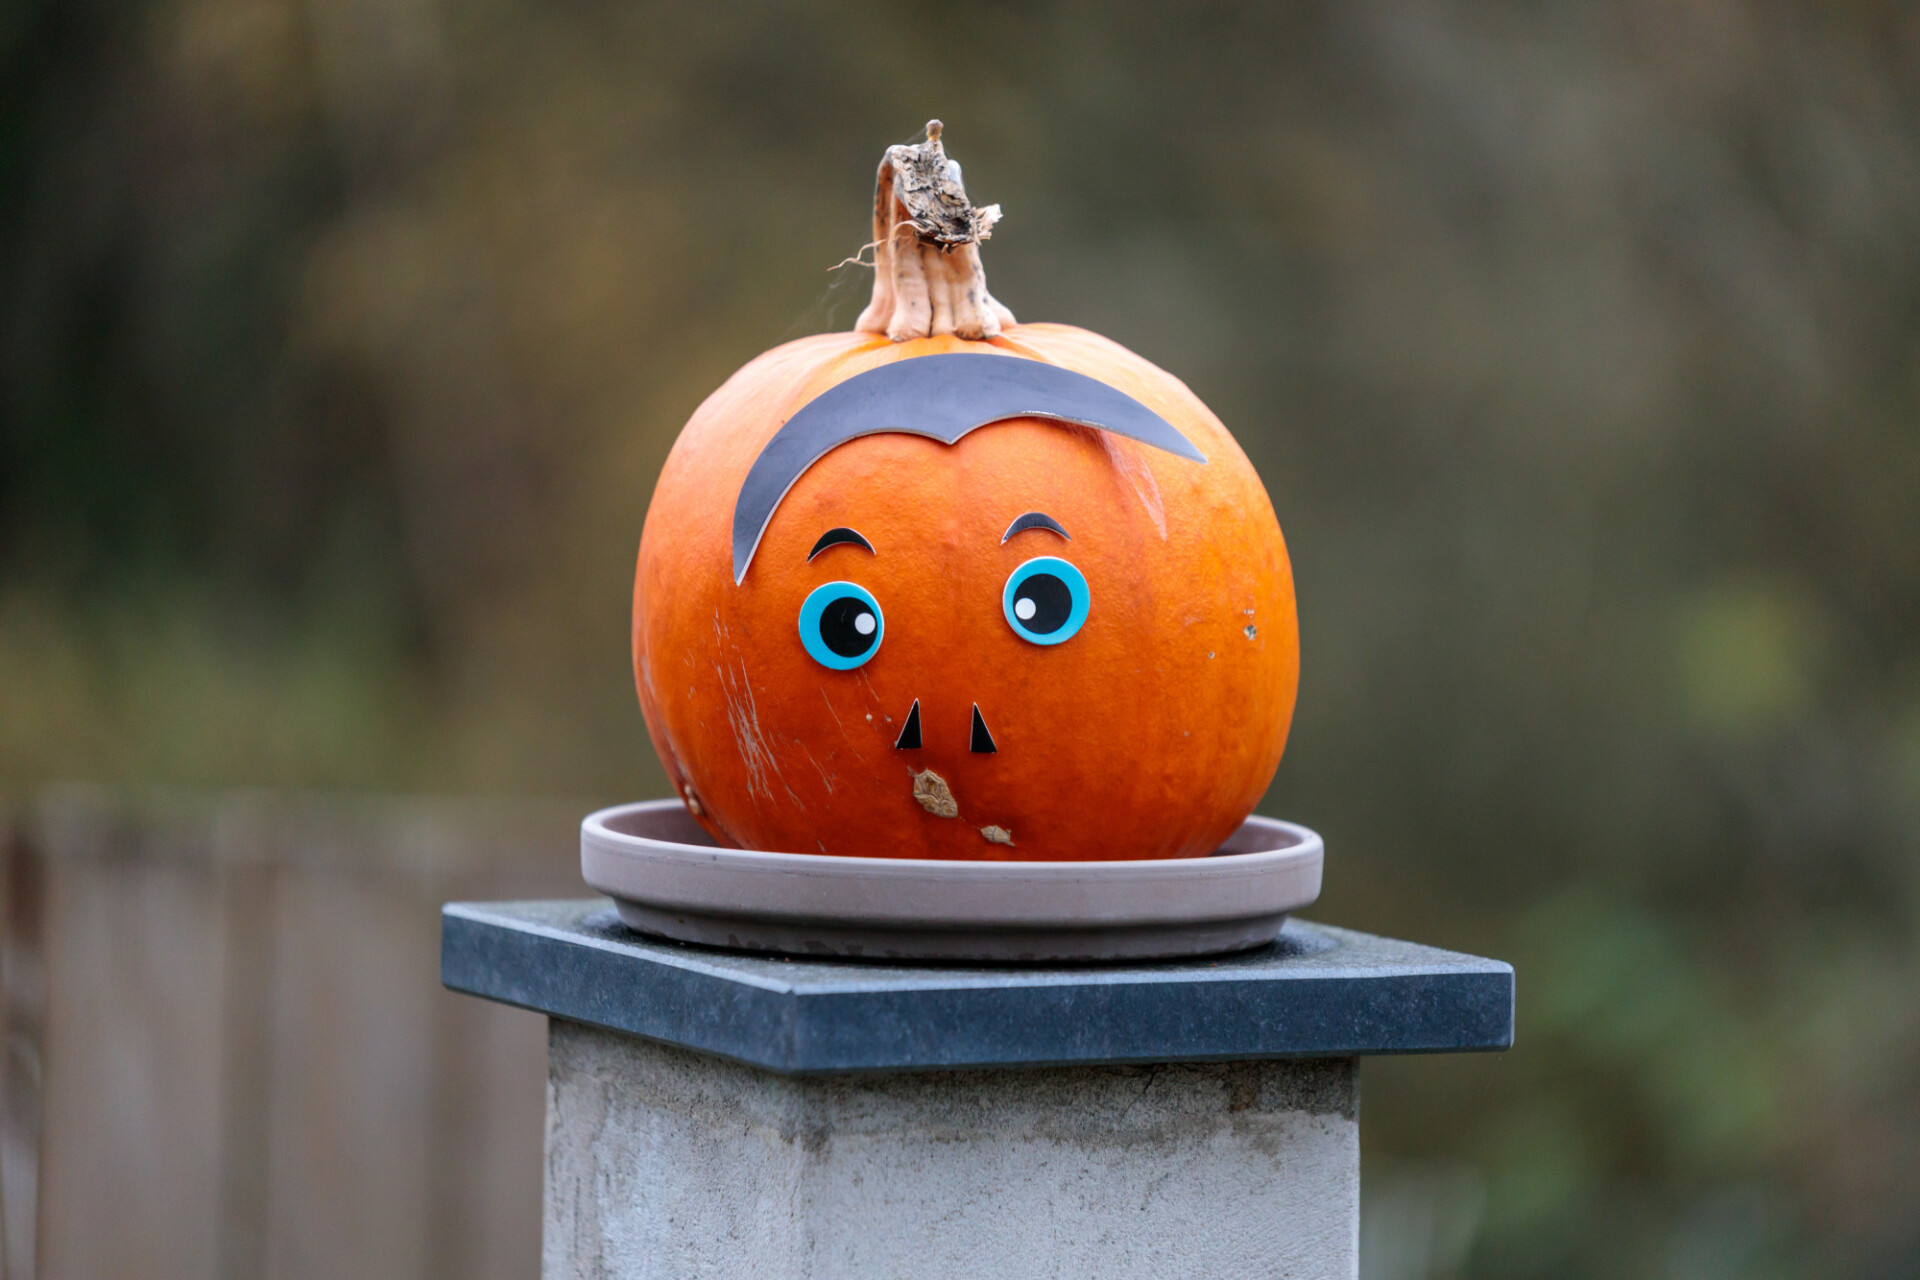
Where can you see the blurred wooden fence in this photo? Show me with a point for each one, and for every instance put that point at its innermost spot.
(227, 1050)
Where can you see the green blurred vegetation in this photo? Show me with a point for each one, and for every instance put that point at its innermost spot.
(1578, 344)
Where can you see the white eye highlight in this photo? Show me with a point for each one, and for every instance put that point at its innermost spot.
(864, 624)
(1024, 609)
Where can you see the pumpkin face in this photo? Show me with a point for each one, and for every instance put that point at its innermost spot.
(1042, 641)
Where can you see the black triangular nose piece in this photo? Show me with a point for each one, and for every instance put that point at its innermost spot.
(982, 740)
(910, 731)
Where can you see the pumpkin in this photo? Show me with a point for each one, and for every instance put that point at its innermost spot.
(1055, 635)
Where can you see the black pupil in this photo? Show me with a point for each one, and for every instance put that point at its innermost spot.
(1052, 603)
(839, 629)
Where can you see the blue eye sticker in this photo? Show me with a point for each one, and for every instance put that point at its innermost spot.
(1046, 600)
(841, 625)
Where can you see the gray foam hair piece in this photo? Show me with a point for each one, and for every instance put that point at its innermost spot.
(941, 397)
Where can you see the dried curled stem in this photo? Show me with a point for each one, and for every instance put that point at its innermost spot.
(927, 277)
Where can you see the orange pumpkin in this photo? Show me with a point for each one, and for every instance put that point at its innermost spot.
(1041, 641)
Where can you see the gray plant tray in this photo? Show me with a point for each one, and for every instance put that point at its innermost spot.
(669, 879)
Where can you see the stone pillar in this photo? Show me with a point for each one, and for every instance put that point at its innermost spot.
(712, 1114)
(664, 1164)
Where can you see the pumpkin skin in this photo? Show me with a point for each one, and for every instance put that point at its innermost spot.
(1150, 733)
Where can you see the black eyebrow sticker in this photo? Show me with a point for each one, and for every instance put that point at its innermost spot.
(835, 537)
(941, 397)
(1034, 520)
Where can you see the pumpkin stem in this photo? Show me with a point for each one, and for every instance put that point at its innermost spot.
(927, 277)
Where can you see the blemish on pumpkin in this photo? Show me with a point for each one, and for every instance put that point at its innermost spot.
(853, 744)
(693, 801)
(835, 714)
(826, 779)
(997, 835)
(1252, 631)
(934, 795)
(743, 718)
(1140, 476)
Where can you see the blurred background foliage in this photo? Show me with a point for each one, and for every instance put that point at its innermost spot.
(1578, 344)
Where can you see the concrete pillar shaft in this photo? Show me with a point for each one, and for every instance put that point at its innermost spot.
(665, 1164)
